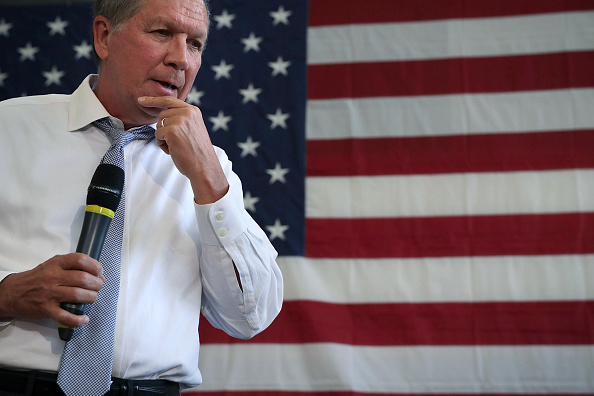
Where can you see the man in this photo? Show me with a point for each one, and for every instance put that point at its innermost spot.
(188, 244)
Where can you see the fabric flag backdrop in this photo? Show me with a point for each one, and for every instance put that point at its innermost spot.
(429, 186)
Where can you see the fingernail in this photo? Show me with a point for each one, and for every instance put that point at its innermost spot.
(142, 99)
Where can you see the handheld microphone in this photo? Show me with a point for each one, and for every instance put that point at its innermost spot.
(103, 196)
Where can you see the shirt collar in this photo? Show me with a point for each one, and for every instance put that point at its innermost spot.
(85, 107)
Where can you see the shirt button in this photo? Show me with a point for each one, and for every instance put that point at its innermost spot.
(220, 216)
(223, 232)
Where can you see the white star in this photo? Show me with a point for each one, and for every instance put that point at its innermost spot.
(279, 67)
(57, 26)
(277, 230)
(222, 70)
(220, 121)
(53, 76)
(28, 52)
(250, 94)
(194, 96)
(249, 147)
(4, 27)
(250, 202)
(224, 20)
(83, 50)
(281, 16)
(251, 43)
(3, 76)
(277, 174)
(278, 119)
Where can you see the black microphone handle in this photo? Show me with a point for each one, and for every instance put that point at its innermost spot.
(92, 237)
(92, 234)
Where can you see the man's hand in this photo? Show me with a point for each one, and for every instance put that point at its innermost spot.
(37, 293)
(182, 134)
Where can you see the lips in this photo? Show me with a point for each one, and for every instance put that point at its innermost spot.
(167, 85)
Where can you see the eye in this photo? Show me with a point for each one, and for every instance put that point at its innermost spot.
(195, 44)
(161, 32)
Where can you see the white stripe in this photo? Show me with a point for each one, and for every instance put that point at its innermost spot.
(448, 279)
(451, 38)
(327, 367)
(450, 194)
(450, 114)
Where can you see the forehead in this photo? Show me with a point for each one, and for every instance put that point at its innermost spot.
(189, 13)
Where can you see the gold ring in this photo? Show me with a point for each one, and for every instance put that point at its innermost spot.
(163, 122)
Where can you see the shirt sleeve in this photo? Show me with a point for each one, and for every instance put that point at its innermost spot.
(231, 240)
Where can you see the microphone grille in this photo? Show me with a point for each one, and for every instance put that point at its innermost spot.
(106, 186)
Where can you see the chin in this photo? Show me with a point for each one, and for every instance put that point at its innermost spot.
(150, 112)
(142, 117)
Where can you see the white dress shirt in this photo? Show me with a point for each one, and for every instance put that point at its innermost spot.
(177, 257)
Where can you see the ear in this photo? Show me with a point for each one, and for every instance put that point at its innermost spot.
(101, 31)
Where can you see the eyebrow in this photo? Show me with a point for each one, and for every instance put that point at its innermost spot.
(159, 20)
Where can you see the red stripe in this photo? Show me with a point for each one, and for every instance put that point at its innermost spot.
(452, 76)
(451, 154)
(400, 324)
(538, 234)
(339, 12)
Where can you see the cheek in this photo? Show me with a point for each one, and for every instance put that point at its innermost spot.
(141, 53)
(194, 68)
(131, 63)
(189, 80)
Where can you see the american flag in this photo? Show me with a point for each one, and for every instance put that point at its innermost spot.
(424, 169)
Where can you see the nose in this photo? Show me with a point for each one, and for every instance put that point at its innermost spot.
(177, 54)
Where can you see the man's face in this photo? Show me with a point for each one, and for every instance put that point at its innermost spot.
(157, 53)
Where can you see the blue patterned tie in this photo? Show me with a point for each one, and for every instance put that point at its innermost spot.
(86, 364)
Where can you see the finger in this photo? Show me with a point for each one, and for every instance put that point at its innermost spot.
(166, 118)
(82, 280)
(77, 295)
(163, 102)
(68, 319)
(82, 262)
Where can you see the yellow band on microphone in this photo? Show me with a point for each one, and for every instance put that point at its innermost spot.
(101, 210)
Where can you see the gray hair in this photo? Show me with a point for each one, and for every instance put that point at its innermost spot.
(118, 12)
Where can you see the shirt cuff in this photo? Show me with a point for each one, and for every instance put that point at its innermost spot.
(220, 222)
